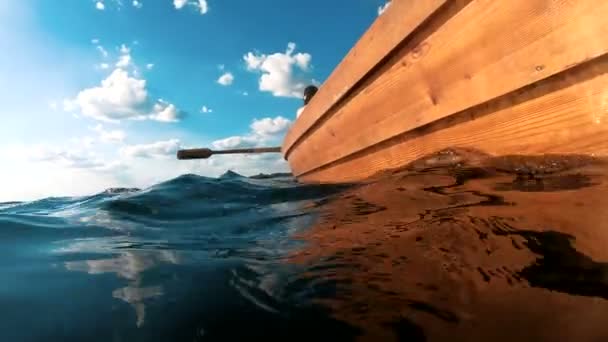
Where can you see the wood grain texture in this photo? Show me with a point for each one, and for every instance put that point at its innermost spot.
(486, 50)
(389, 30)
(567, 113)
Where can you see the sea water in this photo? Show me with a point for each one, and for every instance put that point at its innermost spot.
(456, 246)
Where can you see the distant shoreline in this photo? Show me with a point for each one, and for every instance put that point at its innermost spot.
(271, 175)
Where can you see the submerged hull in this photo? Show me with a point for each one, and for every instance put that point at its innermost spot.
(500, 76)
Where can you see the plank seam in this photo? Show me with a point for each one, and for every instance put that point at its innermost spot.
(556, 82)
(370, 75)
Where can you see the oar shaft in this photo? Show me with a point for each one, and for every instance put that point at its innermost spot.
(250, 150)
(204, 153)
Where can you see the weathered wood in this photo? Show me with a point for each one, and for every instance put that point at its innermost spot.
(488, 49)
(567, 113)
(389, 30)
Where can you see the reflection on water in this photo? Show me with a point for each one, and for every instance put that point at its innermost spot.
(136, 296)
(129, 266)
(457, 246)
(191, 259)
(462, 246)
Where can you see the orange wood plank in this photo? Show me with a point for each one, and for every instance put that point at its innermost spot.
(567, 113)
(390, 29)
(486, 50)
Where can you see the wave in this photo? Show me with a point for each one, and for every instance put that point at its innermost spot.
(230, 203)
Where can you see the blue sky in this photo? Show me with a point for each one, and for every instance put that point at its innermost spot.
(99, 94)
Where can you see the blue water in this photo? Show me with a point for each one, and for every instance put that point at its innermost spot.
(457, 246)
(190, 259)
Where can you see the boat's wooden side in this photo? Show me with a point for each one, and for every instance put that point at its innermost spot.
(503, 76)
(381, 38)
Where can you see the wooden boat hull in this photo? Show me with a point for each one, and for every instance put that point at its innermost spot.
(501, 76)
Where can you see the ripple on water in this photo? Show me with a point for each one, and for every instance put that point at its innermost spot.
(458, 246)
(469, 246)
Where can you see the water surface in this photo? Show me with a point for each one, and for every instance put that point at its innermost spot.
(457, 246)
(194, 258)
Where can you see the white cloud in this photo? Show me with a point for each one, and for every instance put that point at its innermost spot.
(113, 168)
(149, 66)
(26, 183)
(156, 163)
(270, 126)
(69, 105)
(118, 97)
(383, 8)
(262, 131)
(245, 93)
(253, 61)
(203, 6)
(236, 142)
(179, 3)
(101, 4)
(112, 136)
(77, 156)
(206, 109)
(86, 142)
(279, 71)
(164, 111)
(226, 79)
(124, 49)
(137, 4)
(70, 170)
(159, 149)
(104, 66)
(95, 41)
(123, 61)
(101, 50)
(76, 159)
(221, 67)
(121, 96)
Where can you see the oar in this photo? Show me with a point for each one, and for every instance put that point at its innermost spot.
(204, 153)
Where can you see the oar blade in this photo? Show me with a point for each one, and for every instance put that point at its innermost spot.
(197, 153)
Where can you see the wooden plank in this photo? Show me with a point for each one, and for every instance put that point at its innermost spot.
(486, 50)
(390, 29)
(567, 113)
